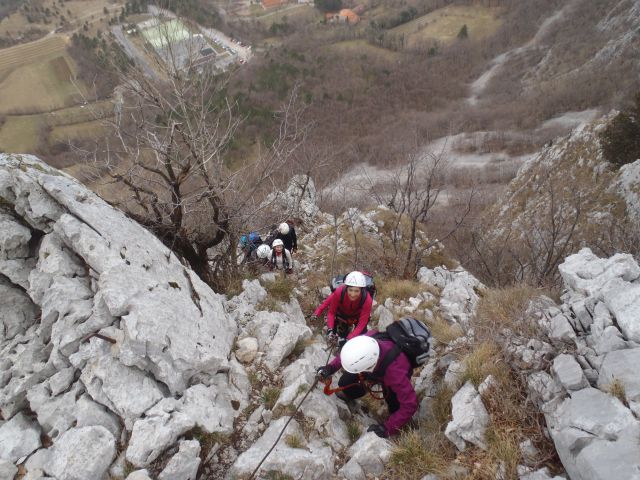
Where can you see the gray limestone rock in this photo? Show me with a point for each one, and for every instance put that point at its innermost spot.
(596, 436)
(561, 330)
(7, 470)
(470, 418)
(247, 349)
(313, 462)
(160, 428)
(184, 464)
(622, 365)
(569, 373)
(587, 274)
(18, 437)
(367, 456)
(386, 318)
(81, 453)
(624, 303)
(18, 311)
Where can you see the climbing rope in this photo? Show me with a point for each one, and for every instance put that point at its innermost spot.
(331, 348)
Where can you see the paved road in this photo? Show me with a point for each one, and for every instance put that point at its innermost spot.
(133, 53)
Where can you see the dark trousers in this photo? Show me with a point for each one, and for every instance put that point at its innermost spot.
(343, 328)
(358, 390)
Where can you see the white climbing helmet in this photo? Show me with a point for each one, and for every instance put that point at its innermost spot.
(278, 243)
(360, 354)
(263, 251)
(355, 279)
(283, 228)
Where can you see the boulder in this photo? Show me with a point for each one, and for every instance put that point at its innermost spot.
(368, 456)
(81, 453)
(160, 428)
(596, 436)
(458, 299)
(247, 349)
(112, 384)
(560, 330)
(7, 470)
(312, 462)
(585, 273)
(139, 475)
(470, 418)
(184, 464)
(18, 311)
(209, 408)
(18, 438)
(624, 303)
(569, 373)
(622, 365)
(609, 340)
(385, 318)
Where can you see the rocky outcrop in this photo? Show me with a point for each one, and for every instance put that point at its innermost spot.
(595, 433)
(103, 331)
(298, 201)
(470, 418)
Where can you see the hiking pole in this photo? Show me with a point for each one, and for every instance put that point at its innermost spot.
(291, 417)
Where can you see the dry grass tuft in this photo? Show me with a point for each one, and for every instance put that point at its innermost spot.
(442, 331)
(294, 441)
(418, 452)
(501, 308)
(280, 289)
(398, 289)
(616, 388)
(484, 360)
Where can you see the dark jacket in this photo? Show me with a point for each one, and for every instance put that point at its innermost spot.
(397, 378)
(290, 240)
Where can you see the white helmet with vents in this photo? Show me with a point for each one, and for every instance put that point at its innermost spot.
(355, 279)
(263, 251)
(283, 228)
(360, 354)
(277, 243)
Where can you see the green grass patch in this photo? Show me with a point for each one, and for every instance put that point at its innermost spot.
(444, 24)
(269, 397)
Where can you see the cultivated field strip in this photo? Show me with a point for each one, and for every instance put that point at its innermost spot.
(19, 55)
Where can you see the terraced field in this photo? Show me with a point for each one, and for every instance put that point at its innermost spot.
(25, 54)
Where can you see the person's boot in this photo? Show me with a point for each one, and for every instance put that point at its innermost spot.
(344, 397)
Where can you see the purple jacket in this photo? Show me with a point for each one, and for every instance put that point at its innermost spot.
(397, 378)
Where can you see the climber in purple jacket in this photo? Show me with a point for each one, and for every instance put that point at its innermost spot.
(366, 355)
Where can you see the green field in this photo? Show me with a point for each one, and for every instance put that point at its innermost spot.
(170, 32)
(444, 24)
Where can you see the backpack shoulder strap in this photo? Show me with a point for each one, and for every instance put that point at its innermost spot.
(363, 297)
(388, 359)
(343, 292)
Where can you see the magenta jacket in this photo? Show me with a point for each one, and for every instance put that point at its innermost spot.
(346, 309)
(397, 378)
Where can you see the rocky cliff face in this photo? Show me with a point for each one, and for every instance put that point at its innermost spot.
(117, 362)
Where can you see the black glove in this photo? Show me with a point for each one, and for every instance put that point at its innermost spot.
(332, 337)
(324, 372)
(379, 430)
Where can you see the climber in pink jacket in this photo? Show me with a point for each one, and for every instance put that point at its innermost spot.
(349, 305)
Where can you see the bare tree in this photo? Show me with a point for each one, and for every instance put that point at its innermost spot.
(168, 158)
(412, 196)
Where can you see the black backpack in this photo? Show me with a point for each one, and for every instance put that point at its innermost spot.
(411, 337)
